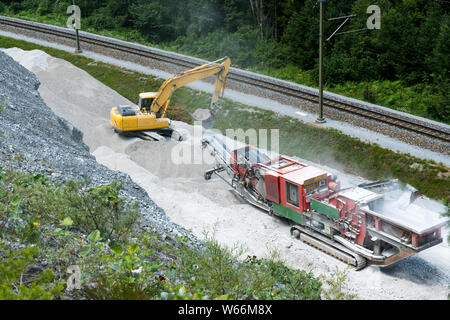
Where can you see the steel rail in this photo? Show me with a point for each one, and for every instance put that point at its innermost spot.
(378, 115)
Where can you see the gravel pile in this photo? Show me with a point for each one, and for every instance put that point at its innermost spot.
(34, 140)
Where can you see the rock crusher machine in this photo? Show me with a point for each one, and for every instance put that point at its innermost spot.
(359, 225)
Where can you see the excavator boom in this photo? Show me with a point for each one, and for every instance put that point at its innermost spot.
(164, 94)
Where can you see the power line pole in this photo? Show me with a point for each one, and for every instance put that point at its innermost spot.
(78, 49)
(321, 119)
(74, 23)
(373, 22)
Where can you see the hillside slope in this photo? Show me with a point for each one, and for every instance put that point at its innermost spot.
(35, 140)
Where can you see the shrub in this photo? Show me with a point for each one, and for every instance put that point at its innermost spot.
(216, 271)
(100, 208)
(27, 201)
(19, 281)
(129, 274)
(336, 286)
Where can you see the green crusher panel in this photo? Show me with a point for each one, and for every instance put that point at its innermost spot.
(324, 208)
(288, 213)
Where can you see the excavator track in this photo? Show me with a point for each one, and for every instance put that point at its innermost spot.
(153, 135)
(328, 246)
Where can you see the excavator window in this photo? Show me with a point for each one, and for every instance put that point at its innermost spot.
(145, 104)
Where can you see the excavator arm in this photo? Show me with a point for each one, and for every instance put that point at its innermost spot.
(164, 94)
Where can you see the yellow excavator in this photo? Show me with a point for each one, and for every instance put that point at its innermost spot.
(151, 111)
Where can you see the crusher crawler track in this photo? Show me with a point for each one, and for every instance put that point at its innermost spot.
(328, 246)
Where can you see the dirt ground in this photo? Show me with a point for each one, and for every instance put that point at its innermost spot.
(209, 206)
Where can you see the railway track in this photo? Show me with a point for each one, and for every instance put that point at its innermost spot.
(411, 124)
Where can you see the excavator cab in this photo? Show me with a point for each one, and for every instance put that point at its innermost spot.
(145, 101)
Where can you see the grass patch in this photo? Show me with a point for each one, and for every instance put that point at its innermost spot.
(326, 146)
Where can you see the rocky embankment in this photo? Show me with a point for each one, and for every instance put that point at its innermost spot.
(35, 140)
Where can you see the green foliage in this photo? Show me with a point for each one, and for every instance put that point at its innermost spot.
(13, 214)
(100, 209)
(139, 264)
(153, 19)
(19, 282)
(129, 274)
(336, 283)
(34, 198)
(28, 201)
(118, 290)
(296, 138)
(239, 46)
(286, 283)
(215, 272)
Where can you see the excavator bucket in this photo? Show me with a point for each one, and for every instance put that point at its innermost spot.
(204, 117)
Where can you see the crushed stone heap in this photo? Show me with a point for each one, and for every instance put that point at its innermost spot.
(35, 140)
